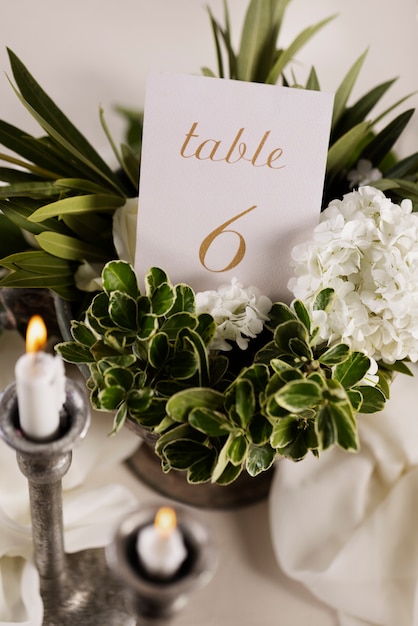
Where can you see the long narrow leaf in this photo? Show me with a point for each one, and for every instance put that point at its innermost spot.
(77, 204)
(69, 248)
(360, 110)
(31, 149)
(256, 29)
(42, 189)
(19, 214)
(53, 118)
(344, 90)
(341, 151)
(403, 167)
(38, 261)
(21, 279)
(287, 55)
(384, 141)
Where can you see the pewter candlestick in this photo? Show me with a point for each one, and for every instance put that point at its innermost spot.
(75, 588)
(156, 601)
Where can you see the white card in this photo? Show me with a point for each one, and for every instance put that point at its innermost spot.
(232, 178)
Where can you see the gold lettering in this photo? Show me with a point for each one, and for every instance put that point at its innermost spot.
(211, 149)
(189, 135)
(207, 242)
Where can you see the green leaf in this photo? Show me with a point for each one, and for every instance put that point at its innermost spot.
(287, 55)
(352, 370)
(287, 331)
(229, 475)
(209, 422)
(259, 430)
(159, 350)
(162, 299)
(200, 472)
(174, 324)
(73, 352)
(298, 395)
(278, 314)
(120, 377)
(68, 248)
(237, 449)
(244, 401)
(38, 262)
(373, 399)
(344, 90)
(123, 310)
(336, 425)
(302, 313)
(335, 355)
(378, 148)
(83, 334)
(324, 299)
(77, 205)
(185, 300)
(258, 38)
(260, 459)
(120, 276)
(313, 83)
(185, 363)
(184, 453)
(343, 153)
(182, 403)
(51, 118)
(120, 418)
(153, 279)
(359, 111)
(148, 414)
(222, 461)
(111, 397)
(294, 438)
(19, 211)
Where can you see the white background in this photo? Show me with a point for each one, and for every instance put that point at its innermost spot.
(87, 52)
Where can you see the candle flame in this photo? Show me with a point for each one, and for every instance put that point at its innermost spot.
(165, 521)
(35, 334)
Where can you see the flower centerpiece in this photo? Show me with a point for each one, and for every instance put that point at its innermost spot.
(226, 381)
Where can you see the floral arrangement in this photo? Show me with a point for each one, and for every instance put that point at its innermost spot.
(226, 380)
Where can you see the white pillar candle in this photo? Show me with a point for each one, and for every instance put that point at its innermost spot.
(40, 386)
(160, 546)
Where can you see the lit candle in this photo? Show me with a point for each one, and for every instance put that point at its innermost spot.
(40, 385)
(160, 546)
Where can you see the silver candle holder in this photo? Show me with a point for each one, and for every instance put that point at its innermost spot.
(93, 587)
(153, 599)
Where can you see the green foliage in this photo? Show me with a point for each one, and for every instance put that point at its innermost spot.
(62, 192)
(355, 133)
(149, 357)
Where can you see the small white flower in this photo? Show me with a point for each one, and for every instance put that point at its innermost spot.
(366, 249)
(363, 174)
(239, 313)
(124, 230)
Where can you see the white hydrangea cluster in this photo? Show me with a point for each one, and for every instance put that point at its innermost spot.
(366, 249)
(239, 312)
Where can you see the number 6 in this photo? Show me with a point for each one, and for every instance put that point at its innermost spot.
(207, 242)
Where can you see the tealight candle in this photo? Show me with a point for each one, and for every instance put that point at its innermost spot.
(160, 546)
(40, 385)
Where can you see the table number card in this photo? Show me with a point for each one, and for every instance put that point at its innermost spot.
(231, 179)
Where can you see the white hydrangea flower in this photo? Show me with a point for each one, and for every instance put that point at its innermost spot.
(366, 249)
(363, 174)
(239, 312)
